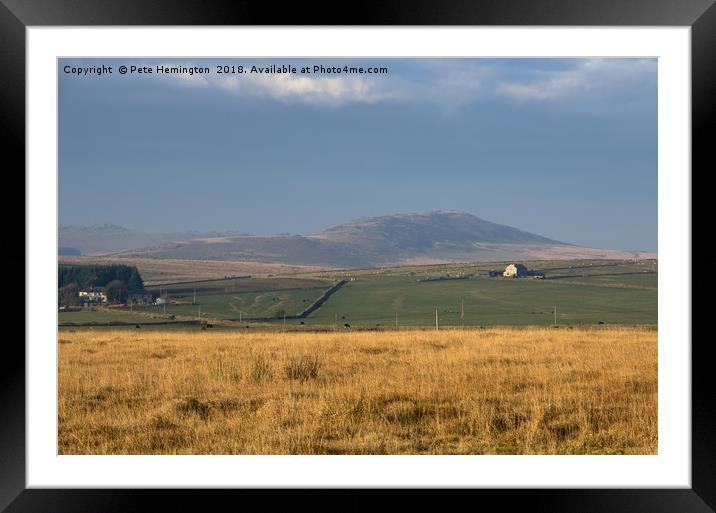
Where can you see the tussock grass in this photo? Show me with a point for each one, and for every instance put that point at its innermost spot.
(303, 368)
(490, 391)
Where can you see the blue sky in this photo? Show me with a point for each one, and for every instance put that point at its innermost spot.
(565, 148)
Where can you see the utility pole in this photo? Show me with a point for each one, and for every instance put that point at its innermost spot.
(284, 322)
(335, 321)
(555, 315)
(437, 326)
(194, 295)
(199, 313)
(396, 320)
(239, 315)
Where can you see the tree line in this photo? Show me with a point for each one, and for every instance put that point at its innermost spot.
(117, 280)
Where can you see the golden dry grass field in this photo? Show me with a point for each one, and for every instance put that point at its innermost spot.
(489, 391)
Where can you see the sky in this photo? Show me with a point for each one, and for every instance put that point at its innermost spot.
(564, 148)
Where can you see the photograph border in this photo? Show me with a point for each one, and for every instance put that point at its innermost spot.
(15, 16)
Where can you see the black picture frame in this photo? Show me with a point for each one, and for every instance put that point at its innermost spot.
(700, 15)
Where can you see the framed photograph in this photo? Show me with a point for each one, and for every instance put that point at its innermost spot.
(418, 249)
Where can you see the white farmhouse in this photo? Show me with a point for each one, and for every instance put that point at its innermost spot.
(93, 295)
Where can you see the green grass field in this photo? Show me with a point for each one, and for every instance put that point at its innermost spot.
(583, 292)
(245, 305)
(241, 298)
(487, 302)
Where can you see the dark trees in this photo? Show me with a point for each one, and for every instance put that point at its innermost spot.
(116, 291)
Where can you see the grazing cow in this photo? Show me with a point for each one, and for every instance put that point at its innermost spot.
(346, 325)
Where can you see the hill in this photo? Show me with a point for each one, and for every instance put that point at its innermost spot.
(435, 237)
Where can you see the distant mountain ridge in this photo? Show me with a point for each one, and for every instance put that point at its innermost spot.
(433, 237)
(101, 239)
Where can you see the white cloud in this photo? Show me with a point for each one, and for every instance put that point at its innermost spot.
(449, 84)
(230, 84)
(317, 90)
(295, 88)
